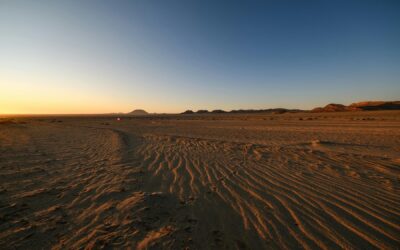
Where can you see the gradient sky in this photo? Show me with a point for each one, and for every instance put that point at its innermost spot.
(169, 56)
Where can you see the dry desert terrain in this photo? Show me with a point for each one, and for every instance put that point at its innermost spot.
(260, 181)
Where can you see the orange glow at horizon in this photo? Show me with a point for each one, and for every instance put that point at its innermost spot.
(39, 95)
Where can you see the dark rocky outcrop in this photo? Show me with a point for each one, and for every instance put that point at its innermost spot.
(360, 106)
(376, 105)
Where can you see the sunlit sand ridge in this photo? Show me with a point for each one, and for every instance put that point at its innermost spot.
(223, 182)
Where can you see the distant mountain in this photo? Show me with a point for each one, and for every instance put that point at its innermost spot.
(244, 111)
(138, 112)
(272, 111)
(359, 106)
(332, 107)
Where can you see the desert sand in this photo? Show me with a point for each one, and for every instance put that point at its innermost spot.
(267, 181)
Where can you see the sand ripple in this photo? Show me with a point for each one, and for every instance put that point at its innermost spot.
(85, 185)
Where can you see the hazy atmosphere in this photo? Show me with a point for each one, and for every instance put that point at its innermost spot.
(204, 125)
(168, 56)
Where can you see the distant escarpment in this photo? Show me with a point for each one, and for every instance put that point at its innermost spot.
(376, 105)
(360, 106)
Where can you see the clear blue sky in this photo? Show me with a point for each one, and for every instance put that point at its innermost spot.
(168, 56)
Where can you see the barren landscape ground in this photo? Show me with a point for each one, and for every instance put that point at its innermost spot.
(287, 181)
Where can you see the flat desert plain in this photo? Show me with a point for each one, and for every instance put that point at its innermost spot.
(259, 181)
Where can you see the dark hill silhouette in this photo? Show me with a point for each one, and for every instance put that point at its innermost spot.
(187, 112)
(244, 111)
(218, 111)
(138, 112)
(202, 111)
(332, 107)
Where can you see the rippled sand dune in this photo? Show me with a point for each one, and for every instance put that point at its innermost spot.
(288, 181)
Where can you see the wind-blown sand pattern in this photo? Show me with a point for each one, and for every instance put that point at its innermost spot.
(201, 182)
